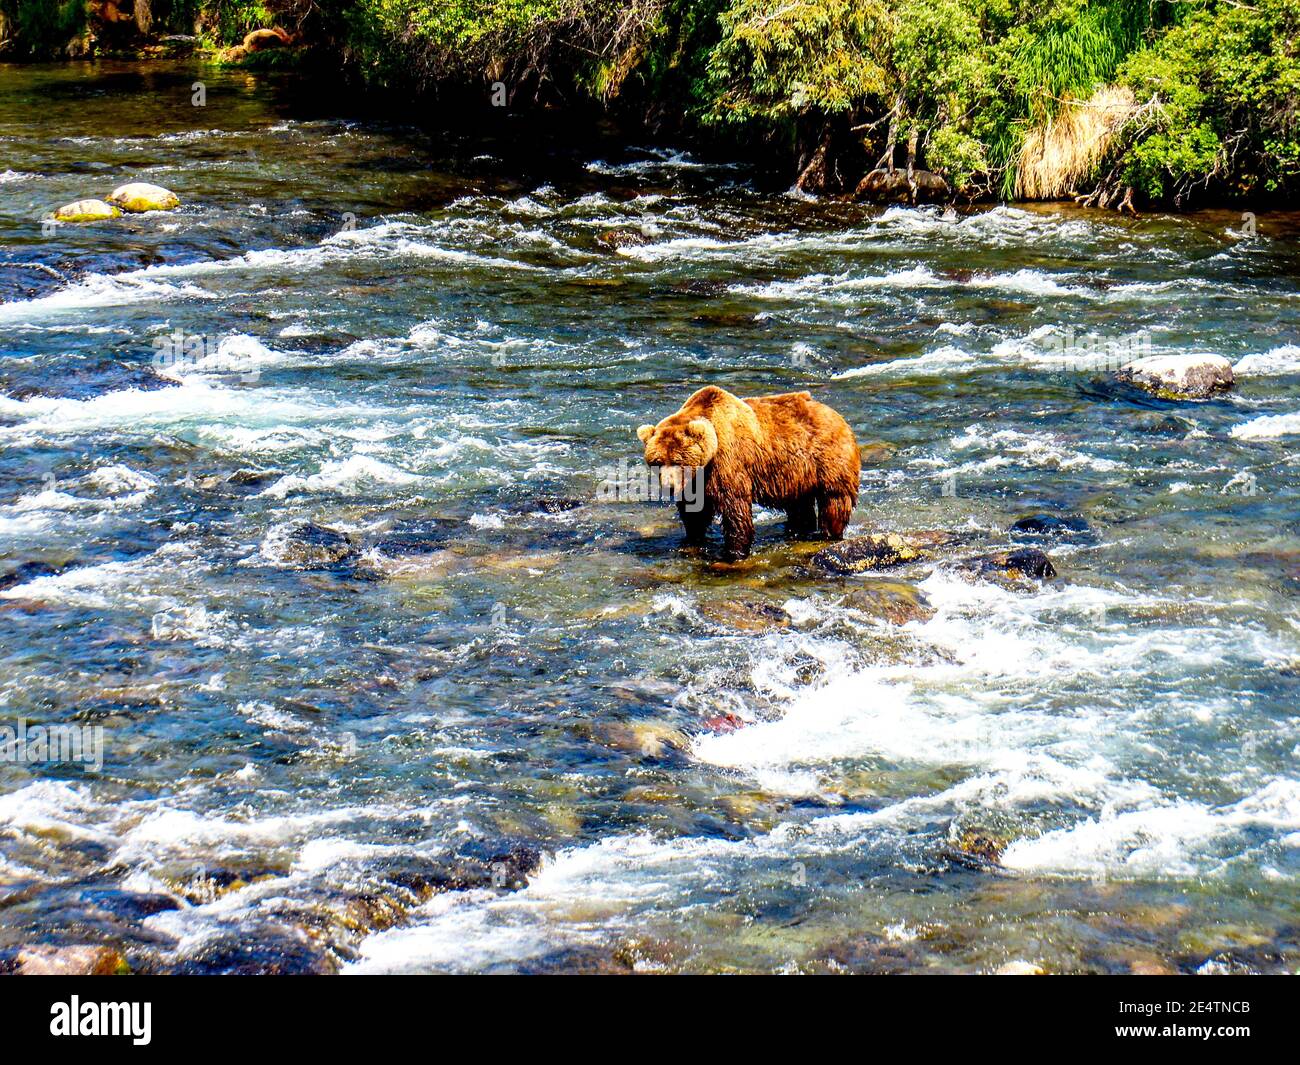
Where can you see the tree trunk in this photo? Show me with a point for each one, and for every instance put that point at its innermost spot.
(143, 15)
(911, 162)
(813, 177)
(891, 138)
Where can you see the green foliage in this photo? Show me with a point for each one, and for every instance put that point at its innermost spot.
(1071, 50)
(43, 28)
(1227, 81)
(957, 82)
(434, 43)
(779, 58)
(227, 21)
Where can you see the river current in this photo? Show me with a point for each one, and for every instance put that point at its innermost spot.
(303, 504)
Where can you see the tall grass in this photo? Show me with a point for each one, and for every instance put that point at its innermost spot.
(1061, 63)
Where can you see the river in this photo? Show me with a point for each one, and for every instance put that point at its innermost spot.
(303, 506)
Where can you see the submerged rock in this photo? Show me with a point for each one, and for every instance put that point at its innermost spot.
(622, 238)
(890, 601)
(25, 572)
(648, 739)
(86, 211)
(413, 566)
(1019, 968)
(549, 505)
(875, 551)
(139, 196)
(309, 546)
(1179, 376)
(876, 453)
(747, 616)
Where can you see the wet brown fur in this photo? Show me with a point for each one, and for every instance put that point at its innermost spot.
(788, 452)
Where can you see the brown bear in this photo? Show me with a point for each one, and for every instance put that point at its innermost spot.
(788, 451)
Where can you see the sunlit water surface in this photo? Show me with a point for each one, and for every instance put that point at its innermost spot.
(494, 722)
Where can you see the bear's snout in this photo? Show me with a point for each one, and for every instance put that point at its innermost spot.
(671, 477)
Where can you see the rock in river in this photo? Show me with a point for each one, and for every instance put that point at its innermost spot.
(45, 960)
(27, 571)
(308, 546)
(890, 601)
(86, 211)
(893, 186)
(1026, 562)
(1180, 376)
(1056, 525)
(139, 196)
(876, 551)
(622, 238)
(745, 615)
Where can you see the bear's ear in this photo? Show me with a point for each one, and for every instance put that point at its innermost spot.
(643, 433)
(703, 431)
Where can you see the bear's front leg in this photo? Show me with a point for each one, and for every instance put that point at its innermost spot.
(737, 529)
(696, 517)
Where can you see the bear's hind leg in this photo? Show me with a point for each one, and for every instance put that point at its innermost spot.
(801, 516)
(696, 518)
(833, 513)
(737, 529)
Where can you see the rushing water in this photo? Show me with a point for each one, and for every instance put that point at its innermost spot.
(509, 724)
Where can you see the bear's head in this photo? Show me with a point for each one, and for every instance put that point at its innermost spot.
(676, 443)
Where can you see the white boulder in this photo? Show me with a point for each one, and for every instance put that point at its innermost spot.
(1180, 376)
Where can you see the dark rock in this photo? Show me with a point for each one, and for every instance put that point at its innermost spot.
(865, 553)
(557, 504)
(410, 544)
(506, 869)
(266, 951)
(253, 478)
(576, 961)
(700, 286)
(131, 906)
(1024, 562)
(85, 382)
(311, 546)
(1050, 525)
(26, 572)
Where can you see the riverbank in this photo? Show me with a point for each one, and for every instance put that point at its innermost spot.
(1125, 108)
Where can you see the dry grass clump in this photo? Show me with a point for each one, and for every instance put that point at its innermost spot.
(1068, 148)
